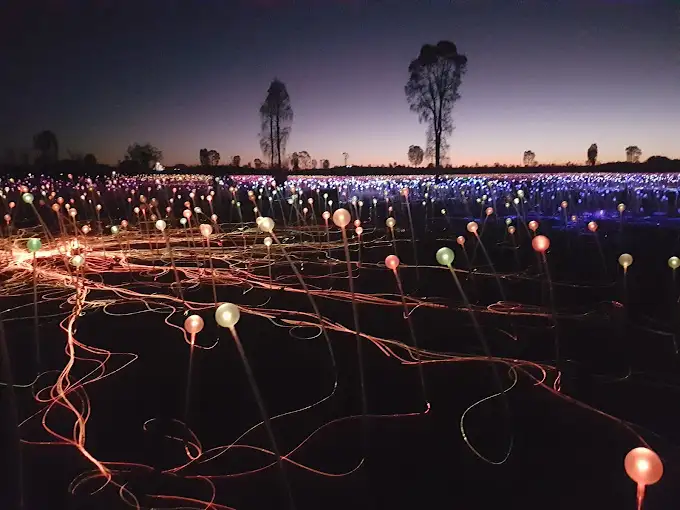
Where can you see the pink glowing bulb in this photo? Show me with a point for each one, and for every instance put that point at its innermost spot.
(357, 223)
(404, 192)
(472, 227)
(489, 211)
(392, 262)
(187, 204)
(533, 225)
(8, 218)
(341, 218)
(186, 213)
(73, 213)
(60, 200)
(643, 466)
(124, 223)
(326, 215)
(12, 205)
(359, 231)
(213, 217)
(55, 207)
(305, 211)
(511, 230)
(540, 244)
(592, 226)
(206, 229)
(86, 229)
(193, 324)
(460, 240)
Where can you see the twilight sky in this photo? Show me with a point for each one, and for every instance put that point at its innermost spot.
(550, 76)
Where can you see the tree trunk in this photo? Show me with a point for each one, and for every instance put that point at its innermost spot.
(278, 137)
(271, 139)
(437, 147)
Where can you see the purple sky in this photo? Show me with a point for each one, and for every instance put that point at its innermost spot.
(548, 76)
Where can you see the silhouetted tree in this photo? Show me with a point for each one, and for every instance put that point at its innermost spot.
(276, 116)
(213, 157)
(90, 160)
(314, 163)
(633, 154)
(415, 155)
(432, 89)
(346, 157)
(529, 158)
(295, 161)
(203, 157)
(46, 143)
(258, 163)
(304, 160)
(592, 154)
(326, 164)
(236, 161)
(145, 155)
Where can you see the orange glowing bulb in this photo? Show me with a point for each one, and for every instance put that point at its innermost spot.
(341, 218)
(533, 225)
(186, 213)
(460, 240)
(643, 466)
(326, 215)
(194, 324)
(489, 211)
(540, 244)
(357, 223)
(472, 227)
(592, 226)
(392, 262)
(359, 231)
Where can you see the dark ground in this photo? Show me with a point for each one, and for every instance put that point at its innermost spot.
(564, 456)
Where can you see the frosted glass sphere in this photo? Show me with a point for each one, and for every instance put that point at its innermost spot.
(227, 315)
(673, 262)
(194, 324)
(341, 218)
(445, 256)
(392, 262)
(643, 466)
(27, 197)
(540, 244)
(267, 241)
(161, 225)
(472, 227)
(267, 224)
(390, 222)
(206, 229)
(625, 260)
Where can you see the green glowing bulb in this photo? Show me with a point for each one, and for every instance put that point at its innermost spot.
(445, 256)
(33, 244)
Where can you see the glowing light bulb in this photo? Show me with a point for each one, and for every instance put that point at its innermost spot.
(227, 315)
(564, 204)
(540, 244)
(392, 262)
(114, 229)
(508, 221)
(359, 231)
(489, 211)
(460, 240)
(193, 324)
(33, 244)
(205, 229)
(673, 262)
(86, 229)
(27, 198)
(472, 227)
(341, 218)
(267, 241)
(357, 223)
(267, 224)
(77, 260)
(326, 215)
(592, 226)
(643, 466)
(445, 256)
(186, 213)
(621, 207)
(625, 260)
(390, 222)
(73, 213)
(161, 225)
(533, 225)
(511, 230)
(183, 221)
